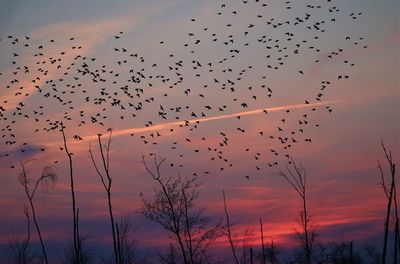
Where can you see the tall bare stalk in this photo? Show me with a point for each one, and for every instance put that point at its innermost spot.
(106, 180)
(228, 230)
(262, 242)
(74, 209)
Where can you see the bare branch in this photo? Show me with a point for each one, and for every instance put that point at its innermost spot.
(297, 179)
(96, 167)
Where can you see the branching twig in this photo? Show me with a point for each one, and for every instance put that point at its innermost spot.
(107, 183)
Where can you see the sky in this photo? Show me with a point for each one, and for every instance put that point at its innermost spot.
(221, 89)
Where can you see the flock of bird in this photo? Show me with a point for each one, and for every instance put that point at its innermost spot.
(224, 72)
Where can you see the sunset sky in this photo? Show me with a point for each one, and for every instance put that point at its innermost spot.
(222, 89)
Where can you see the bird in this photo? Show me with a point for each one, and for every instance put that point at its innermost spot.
(203, 78)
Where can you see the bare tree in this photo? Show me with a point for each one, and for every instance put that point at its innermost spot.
(389, 190)
(74, 208)
(47, 180)
(106, 180)
(296, 177)
(173, 208)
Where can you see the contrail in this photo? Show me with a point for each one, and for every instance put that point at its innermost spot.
(207, 119)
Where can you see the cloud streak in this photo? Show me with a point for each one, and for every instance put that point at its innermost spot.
(169, 125)
(164, 126)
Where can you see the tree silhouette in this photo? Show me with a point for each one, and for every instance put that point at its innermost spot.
(47, 180)
(390, 192)
(228, 230)
(264, 258)
(74, 208)
(296, 177)
(173, 208)
(106, 180)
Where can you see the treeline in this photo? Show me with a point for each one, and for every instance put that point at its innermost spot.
(193, 235)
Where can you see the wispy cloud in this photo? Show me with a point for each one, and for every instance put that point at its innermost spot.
(88, 36)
